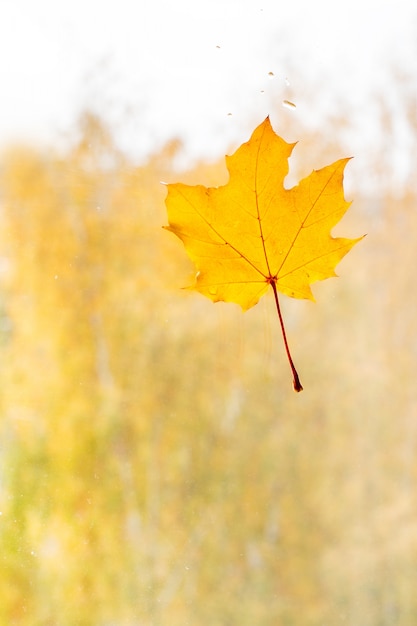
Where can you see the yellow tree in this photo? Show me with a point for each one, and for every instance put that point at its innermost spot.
(155, 467)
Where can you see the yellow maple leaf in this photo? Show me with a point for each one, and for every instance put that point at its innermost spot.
(252, 233)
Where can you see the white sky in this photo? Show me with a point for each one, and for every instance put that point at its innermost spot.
(161, 68)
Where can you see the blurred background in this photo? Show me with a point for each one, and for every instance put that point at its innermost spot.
(156, 468)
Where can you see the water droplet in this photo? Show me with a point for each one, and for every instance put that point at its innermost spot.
(213, 290)
(56, 277)
(288, 104)
(271, 75)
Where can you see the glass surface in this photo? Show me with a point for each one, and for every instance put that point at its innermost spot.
(156, 467)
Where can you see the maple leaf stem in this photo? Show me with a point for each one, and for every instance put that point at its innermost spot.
(296, 380)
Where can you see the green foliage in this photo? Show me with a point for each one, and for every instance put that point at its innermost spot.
(155, 467)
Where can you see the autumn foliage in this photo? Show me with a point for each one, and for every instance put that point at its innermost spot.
(252, 233)
(155, 467)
